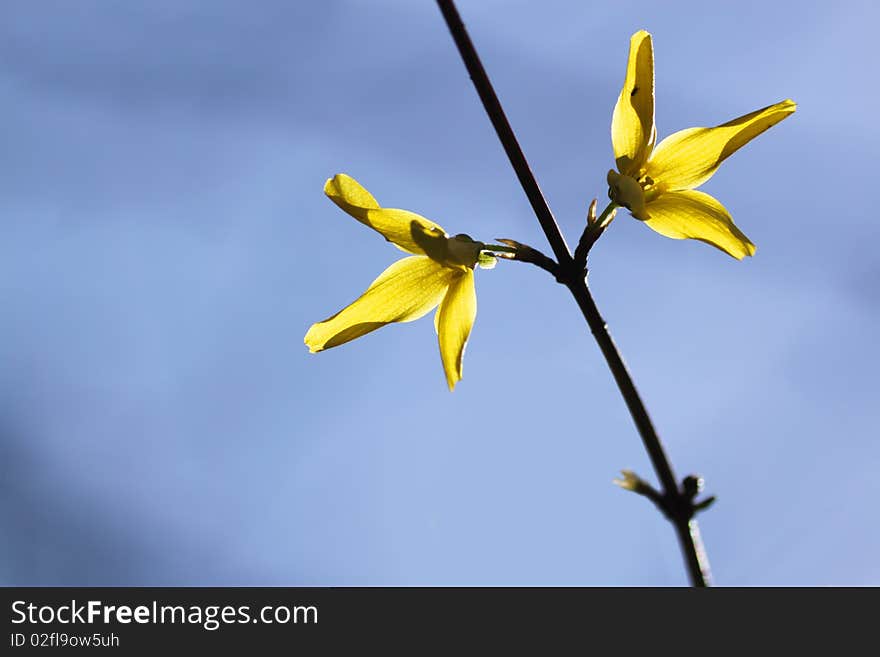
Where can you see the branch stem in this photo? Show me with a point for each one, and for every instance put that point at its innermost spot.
(678, 507)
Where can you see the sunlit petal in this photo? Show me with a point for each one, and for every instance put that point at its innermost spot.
(698, 216)
(454, 320)
(632, 124)
(687, 159)
(396, 226)
(405, 291)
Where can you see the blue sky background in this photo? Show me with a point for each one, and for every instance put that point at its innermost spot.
(165, 245)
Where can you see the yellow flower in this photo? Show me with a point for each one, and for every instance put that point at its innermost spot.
(657, 185)
(439, 274)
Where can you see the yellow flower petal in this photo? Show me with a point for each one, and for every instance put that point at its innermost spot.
(687, 159)
(454, 320)
(632, 124)
(395, 225)
(405, 291)
(698, 216)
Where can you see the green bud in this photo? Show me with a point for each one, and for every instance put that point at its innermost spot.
(487, 260)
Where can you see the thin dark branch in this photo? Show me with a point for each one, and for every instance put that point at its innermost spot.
(679, 507)
(505, 132)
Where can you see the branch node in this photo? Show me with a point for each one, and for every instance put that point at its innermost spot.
(675, 505)
(693, 485)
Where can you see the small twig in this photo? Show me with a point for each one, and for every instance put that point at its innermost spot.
(592, 232)
(525, 253)
(632, 482)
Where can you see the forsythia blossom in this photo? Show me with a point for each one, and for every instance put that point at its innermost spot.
(440, 274)
(657, 185)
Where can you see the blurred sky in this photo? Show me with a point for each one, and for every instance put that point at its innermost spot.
(165, 245)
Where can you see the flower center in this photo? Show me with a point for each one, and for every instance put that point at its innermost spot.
(628, 192)
(463, 250)
(456, 252)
